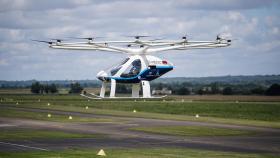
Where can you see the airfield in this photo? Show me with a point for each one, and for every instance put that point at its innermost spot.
(177, 126)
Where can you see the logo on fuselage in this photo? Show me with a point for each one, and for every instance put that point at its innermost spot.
(155, 62)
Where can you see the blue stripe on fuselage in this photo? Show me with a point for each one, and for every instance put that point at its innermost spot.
(147, 74)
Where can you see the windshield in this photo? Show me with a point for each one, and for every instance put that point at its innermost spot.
(118, 67)
(133, 69)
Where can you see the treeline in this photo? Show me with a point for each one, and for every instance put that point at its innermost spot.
(184, 88)
(39, 88)
(262, 80)
(227, 85)
(58, 83)
(187, 88)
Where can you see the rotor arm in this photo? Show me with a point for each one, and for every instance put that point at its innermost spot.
(146, 46)
(181, 47)
(120, 49)
(76, 47)
(217, 45)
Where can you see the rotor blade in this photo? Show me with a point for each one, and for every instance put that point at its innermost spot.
(218, 37)
(87, 38)
(138, 36)
(157, 39)
(185, 36)
(49, 42)
(223, 36)
(57, 40)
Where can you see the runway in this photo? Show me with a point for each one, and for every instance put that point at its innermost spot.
(118, 134)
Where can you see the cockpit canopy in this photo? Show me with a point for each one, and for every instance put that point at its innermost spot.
(115, 69)
(133, 68)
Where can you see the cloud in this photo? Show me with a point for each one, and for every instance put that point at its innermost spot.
(3, 62)
(39, 5)
(255, 25)
(225, 4)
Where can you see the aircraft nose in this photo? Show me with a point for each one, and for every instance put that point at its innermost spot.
(165, 62)
(171, 64)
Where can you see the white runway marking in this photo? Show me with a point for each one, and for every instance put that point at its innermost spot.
(6, 125)
(24, 146)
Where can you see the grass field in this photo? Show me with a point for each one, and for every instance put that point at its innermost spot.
(247, 113)
(266, 111)
(234, 98)
(48, 117)
(136, 153)
(192, 131)
(8, 134)
(254, 113)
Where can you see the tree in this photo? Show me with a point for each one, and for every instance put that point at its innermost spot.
(36, 87)
(273, 90)
(46, 88)
(183, 91)
(42, 89)
(227, 91)
(75, 88)
(214, 88)
(121, 88)
(258, 90)
(200, 91)
(53, 88)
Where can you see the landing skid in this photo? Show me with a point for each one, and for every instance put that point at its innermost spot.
(97, 97)
(94, 98)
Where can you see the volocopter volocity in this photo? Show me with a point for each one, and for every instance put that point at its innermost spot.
(140, 67)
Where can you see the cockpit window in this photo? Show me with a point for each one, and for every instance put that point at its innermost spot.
(118, 67)
(133, 70)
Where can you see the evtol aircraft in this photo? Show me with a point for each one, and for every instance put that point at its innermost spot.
(140, 67)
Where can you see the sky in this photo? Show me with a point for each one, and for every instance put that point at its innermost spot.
(254, 24)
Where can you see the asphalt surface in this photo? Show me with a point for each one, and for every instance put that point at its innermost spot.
(117, 134)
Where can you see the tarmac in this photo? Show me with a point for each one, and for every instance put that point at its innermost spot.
(117, 134)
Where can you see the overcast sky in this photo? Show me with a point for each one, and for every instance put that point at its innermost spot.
(254, 23)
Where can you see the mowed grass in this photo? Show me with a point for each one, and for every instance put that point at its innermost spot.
(15, 113)
(8, 134)
(244, 110)
(139, 114)
(266, 111)
(247, 113)
(193, 131)
(136, 153)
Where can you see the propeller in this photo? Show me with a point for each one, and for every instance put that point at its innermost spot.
(49, 42)
(138, 36)
(87, 38)
(218, 38)
(185, 38)
(223, 36)
(57, 40)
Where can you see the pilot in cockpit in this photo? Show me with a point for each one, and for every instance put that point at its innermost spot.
(133, 69)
